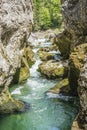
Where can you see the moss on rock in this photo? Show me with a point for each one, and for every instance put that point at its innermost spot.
(76, 64)
(45, 55)
(8, 104)
(52, 69)
(64, 42)
(28, 54)
(27, 57)
(53, 47)
(24, 74)
(61, 87)
(27, 61)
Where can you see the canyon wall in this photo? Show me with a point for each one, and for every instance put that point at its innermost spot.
(16, 18)
(72, 43)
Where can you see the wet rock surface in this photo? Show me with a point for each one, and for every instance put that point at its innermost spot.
(61, 87)
(8, 104)
(53, 69)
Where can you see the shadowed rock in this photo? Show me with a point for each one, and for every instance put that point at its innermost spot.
(72, 43)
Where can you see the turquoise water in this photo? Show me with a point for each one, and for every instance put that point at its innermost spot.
(47, 111)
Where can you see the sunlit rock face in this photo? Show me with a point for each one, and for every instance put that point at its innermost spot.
(16, 18)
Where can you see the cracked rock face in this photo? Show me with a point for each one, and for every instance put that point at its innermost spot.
(82, 90)
(75, 19)
(15, 26)
(75, 15)
(16, 18)
(73, 42)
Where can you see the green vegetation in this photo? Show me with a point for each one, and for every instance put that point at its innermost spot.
(47, 14)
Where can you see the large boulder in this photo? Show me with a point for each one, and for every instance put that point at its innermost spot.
(8, 104)
(64, 42)
(61, 87)
(53, 69)
(44, 56)
(16, 19)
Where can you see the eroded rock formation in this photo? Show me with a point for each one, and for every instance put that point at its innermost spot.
(75, 19)
(82, 90)
(15, 27)
(73, 45)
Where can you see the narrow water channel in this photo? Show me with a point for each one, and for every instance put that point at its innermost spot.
(47, 112)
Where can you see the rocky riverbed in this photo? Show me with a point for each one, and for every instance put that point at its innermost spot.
(17, 57)
(50, 108)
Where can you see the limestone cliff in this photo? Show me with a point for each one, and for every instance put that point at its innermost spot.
(75, 20)
(16, 17)
(72, 43)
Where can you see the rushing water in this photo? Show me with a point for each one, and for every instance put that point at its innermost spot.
(47, 112)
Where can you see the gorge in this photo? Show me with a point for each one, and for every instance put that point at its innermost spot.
(47, 108)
